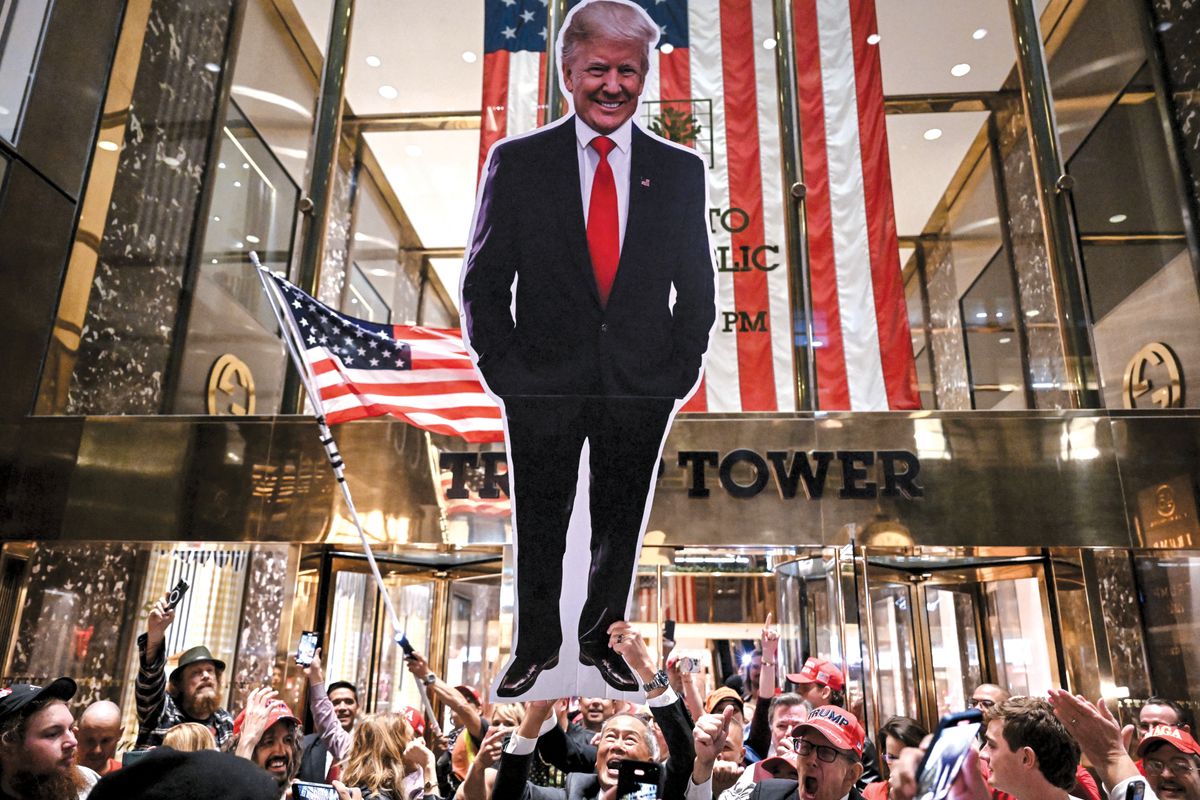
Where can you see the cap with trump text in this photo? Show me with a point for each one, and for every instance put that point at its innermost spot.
(837, 725)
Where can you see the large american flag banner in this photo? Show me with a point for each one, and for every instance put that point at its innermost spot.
(712, 65)
(423, 376)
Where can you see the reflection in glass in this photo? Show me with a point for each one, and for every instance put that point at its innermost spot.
(990, 328)
(365, 301)
(20, 35)
(955, 646)
(895, 659)
(1017, 622)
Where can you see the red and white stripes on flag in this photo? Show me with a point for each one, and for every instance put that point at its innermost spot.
(679, 598)
(865, 359)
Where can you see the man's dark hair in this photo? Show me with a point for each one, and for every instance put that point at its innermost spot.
(904, 729)
(333, 687)
(785, 700)
(1182, 717)
(1030, 722)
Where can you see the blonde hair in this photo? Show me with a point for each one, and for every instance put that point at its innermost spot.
(376, 760)
(508, 714)
(189, 737)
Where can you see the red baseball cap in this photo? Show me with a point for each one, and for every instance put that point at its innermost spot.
(820, 671)
(277, 710)
(837, 725)
(416, 719)
(771, 767)
(1168, 734)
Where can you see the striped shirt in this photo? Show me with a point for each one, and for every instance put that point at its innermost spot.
(157, 710)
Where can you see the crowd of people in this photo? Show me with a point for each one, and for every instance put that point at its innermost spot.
(748, 740)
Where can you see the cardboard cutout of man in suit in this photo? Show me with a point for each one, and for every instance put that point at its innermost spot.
(588, 302)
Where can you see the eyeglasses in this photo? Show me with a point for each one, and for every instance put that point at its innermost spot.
(805, 747)
(1178, 766)
(986, 705)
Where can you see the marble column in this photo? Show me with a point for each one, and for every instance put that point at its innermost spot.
(950, 380)
(142, 255)
(1178, 26)
(335, 267)
(267, 591)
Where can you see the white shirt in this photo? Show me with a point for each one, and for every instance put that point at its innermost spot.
(518, 745)
(619, 159)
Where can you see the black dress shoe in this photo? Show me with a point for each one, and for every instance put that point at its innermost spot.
(522, 674)
(613, 669)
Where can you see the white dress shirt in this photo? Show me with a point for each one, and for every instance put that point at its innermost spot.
(518, 745)
(618, 159)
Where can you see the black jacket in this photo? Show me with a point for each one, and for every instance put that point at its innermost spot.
(530, 227)
(512, 779)
(783, 789)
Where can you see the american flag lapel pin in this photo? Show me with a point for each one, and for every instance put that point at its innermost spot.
(646, 182)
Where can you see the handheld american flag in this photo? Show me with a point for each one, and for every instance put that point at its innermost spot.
(359, 369)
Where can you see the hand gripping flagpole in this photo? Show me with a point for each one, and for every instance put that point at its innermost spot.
(292, 339)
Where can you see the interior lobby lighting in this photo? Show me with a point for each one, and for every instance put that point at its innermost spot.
(109, 146)
(769, 44)
(239, 245)
(979, 34)
(933, 134)
(1117, 218)
(469, 56)
(215, 261)
(1033, 312)
(873, 38)
(252, 239)
(373, 61)
(245, 165)
(388, 92)
(220, 165)
(980, 315)
(212, 67)
(216, 218)
(1005, 339)
(237, 184)
(667, 48)
(959, 70)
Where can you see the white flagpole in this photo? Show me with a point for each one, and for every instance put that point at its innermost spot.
(294, 342)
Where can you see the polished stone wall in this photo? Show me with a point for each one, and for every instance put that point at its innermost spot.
(951, 381)
(337, 240)
(135, 297)
(1178, 26)
(267, 589)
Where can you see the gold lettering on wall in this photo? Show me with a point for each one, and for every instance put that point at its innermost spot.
(1164, 386)
(230, 387)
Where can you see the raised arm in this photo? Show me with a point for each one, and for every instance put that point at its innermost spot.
(438, 689)
(337, 740)
(150, 691)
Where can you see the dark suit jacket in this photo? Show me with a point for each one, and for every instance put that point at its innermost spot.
(512, 779)
(530, 226)
(783, 789)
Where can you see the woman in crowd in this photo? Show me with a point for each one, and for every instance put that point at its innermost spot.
(895, 735)
(189, 737)
(387, 762)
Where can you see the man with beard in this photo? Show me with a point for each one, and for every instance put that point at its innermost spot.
(98, 731)
(37, 744)
(1171, 761)
(193, 693)
(267, 733)
(624, 736)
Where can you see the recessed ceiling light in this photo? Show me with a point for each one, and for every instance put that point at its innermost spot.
(932, 134)
(252, 239)
(980, 315)
(373, 61)
(873, 38)
(212, 67)
(769, 44)
(215, 261)
(379, 273)
(245, 165)
(221, 165)
(470, 56)
(958, 70)
(388, 92)
(354, 300)
(999, 315)
(216, 218)
(109, 146)
(667, 48)
(239, 245)
(1033, 312)
(1005, 339)
(1117, 218)
(979, 34)
(237, 184)
(413, 151)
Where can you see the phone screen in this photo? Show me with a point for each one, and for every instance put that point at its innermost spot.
(637, 780)
(307, 648)
(944, 759)
(313, 791)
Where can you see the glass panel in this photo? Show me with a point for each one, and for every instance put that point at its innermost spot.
(473, 645)
(1170, 593)
(365, 300)
(993, 354)
(955, 646)
(395, 688)
(21, 23)
(1018, 627)
(895, 657)
(252, 208)
(351, 630)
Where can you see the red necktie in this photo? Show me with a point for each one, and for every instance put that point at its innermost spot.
(603, 228)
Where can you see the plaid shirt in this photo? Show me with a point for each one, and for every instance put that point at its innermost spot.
(157, 709)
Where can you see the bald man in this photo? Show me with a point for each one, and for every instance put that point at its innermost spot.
(98, 732)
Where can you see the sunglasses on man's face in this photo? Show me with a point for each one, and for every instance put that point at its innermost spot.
(980, 703)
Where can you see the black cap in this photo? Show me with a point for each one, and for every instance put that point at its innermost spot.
(195, 655)
(166, 774)
(16, 697)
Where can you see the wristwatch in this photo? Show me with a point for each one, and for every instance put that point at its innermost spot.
(659, 681)
(430, 679)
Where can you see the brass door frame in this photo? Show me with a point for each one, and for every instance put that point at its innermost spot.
(973, 577)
